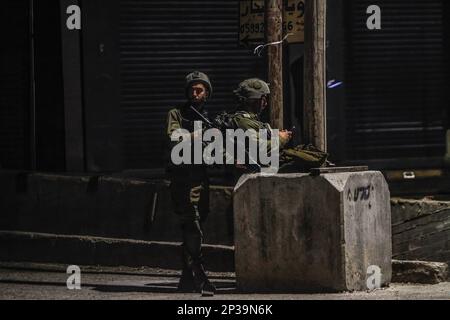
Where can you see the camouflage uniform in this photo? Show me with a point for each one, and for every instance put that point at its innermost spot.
(295, 159)
(189, 189)
(247, 120)
(189, 183)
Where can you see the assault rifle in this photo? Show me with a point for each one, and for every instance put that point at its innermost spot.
(253, 166)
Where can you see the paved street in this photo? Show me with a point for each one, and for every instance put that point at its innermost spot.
(44, 281)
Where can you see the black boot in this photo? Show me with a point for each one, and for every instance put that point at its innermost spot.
(187, 282)
(202, 282)
(208, 289)
(192, 257)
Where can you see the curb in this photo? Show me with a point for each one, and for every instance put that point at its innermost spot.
(84, 250)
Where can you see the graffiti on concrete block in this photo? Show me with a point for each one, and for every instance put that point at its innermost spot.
(360, 193)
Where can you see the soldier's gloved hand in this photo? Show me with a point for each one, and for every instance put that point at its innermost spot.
(285, 136)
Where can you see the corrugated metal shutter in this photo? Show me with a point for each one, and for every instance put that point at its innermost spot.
(14, 84)
(162, 41)
(395, 80)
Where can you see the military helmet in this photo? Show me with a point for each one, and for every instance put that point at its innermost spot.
(252, 89)
(198, 77)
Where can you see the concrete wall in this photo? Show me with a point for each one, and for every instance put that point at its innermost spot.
(300, 233)
(102, 206)
(421, 230)
(87, 250)
(118, 207)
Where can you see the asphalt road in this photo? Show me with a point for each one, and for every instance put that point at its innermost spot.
(48, 281)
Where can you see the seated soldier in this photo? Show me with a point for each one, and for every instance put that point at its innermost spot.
(253, 95)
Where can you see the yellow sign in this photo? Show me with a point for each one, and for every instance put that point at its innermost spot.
(251, 13)
(294, 20)
(252, 24)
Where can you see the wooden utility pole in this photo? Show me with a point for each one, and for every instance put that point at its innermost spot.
(274, 33)
(315, 74)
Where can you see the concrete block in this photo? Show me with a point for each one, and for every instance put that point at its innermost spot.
(423, 272)
(426, 238)
(421, 230)
(298, 232)
(405, 210)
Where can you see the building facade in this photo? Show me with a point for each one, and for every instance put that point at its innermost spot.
(95, 99)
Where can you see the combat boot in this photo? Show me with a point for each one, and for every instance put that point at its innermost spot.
(187, 282)
(204, 286)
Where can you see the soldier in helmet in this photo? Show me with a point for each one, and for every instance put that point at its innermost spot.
(190, 188)
(253, 97)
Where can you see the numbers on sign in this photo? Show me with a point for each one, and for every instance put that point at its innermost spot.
(301, 8)
(252, 28)
(288, 26)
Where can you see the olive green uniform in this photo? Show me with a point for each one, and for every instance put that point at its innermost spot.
(296, 159)
(292, 159)
(250, 121)
(189, 189)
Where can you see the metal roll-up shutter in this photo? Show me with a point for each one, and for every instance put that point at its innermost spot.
(14, 84)
(162, 41)
(396, 80)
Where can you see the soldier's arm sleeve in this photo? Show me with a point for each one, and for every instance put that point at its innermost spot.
(173, 122)
(246, 124)
(243, 123)
(282, 142)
